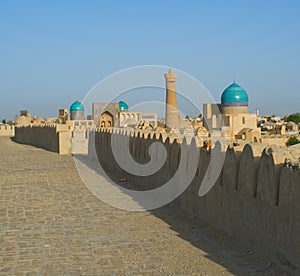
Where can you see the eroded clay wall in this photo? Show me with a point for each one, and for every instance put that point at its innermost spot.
(44, 136)
(256, 198)
(7, 130)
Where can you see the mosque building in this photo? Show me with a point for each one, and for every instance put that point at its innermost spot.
(232, 116)
(107, 115)
(77, 111)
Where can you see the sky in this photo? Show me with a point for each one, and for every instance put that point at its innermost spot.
(53, 52)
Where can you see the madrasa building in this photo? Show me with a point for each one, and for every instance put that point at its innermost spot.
(231, 117)
(108, 115)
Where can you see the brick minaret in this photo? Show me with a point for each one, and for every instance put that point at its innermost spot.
(171, 101)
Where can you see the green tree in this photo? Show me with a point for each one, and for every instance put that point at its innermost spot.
(3, 121)
(264, 129)
(293, 118)
(292, 141)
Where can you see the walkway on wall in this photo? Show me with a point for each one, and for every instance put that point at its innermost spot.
(50, 223)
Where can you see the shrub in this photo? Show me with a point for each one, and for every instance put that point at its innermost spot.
(292, 141)
(293, 118)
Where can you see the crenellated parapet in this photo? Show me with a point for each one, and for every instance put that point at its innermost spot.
(255, 197)
(250, 191)
(7, 130)
(49, 136)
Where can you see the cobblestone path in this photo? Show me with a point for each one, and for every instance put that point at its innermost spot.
(52, 225)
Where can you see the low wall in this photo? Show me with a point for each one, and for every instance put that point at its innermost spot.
(255, 199)
(48, 137)
(7, 130)
(80, 140)
(278, 141)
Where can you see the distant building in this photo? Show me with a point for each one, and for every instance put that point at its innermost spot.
(105, 114)
(77, 111)
(232, 116)
(117, 115)
(24, 119)
(172, 118)
(63, 116)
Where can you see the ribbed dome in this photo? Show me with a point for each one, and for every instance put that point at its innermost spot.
(234, 94)
(77, 106)
(123, 106)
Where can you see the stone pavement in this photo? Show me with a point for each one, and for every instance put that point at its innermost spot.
(52, 225)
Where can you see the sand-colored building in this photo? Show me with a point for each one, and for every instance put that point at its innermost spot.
(231, 117)
(118, 115)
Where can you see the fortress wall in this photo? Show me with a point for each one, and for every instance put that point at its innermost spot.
(255, 198)
(79, 141)
(44, 136)
(7, 130)
(280, 141)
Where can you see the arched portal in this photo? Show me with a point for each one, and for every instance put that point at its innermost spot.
(106, 120)
(214, 121)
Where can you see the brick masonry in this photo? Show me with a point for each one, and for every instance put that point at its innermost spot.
(52, 225)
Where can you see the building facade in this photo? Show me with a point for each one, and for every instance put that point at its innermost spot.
(232, 116)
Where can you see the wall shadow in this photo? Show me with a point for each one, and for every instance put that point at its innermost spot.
(217, 245)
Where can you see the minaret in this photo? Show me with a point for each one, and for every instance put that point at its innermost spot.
(172, 120)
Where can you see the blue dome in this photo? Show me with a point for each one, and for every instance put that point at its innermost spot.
(123, 106)
(234, 94)
(76, 106)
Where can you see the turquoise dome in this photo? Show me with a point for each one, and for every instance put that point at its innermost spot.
(123, 106)
(77, 106)
(234, 94)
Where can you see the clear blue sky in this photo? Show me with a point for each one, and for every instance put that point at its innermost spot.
(53, 52)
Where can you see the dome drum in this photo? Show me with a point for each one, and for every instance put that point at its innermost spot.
(234, 109)
(77, 115)
(234, 104)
